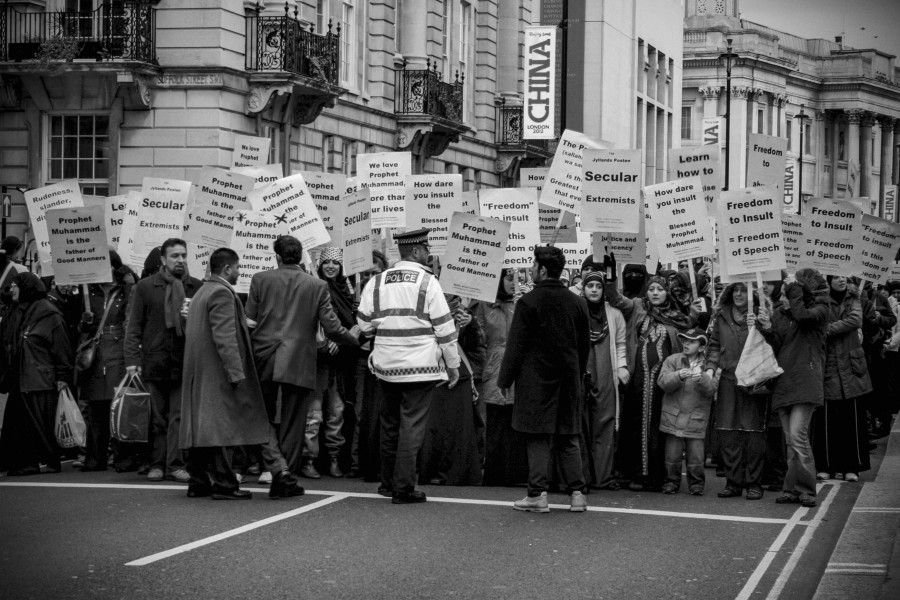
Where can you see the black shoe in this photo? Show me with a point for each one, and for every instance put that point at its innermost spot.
(308, 470)
(354, 474)
(386, 491)
(143, 470)
(787, 498)
(414, 497)
(730, 492)
(232, 495)
(754, 492)
(292, 490)
(195, 491)
(280, 483)
(334, 470)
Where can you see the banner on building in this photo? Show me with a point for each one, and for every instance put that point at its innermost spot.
(290, 201)
(65, 194)
(161, 215)
(751, 230)
(473, 262)
(611, 191)
(78, 245)
(713, 132)
(384, 174)
(890, 203)
(431, 201)
(548, 216)
(327, 191)
(702, 162)
(356, 234)
(519, 207)
(766, 158)
(539, 111)
(790, 203)
(562, 188)
(219, 194)
(253, 237)
(680, 220)
(832, 240)
(263, 175)
(878, 248)
(250, 151)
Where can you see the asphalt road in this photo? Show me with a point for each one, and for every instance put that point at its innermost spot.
(106, 535)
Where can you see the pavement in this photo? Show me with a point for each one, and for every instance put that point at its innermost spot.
(107, 535)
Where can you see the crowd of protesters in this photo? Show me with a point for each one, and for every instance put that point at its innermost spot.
(621, 379)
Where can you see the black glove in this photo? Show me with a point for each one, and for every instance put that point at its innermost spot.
(609, 266)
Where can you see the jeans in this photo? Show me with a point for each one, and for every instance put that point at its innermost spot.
(694, 454)
(165, 414)
(331, 406)
(801, 468)
(404, 421)
(568, 448)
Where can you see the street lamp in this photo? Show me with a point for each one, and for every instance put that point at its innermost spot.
(727, 56)
(802, 117)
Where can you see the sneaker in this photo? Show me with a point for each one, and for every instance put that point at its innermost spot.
(823, 476)
(155, 475)
(533, 504)
(670, 487)
(838, 475)
(579, 502)
(851, 477)
(265, 478)
(179, 475)
(696, 490)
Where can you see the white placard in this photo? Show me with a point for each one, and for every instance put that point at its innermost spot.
(116, 209)
(539, 112)
(575, 252)
(629, 248)
(218, 196)
(475, 254)
(250, 151)
(793, 228)
(263, 175)
(198, 259)
(384, 174)
(65, 194)
(291, 203)
(469, 202)
(78, 245)
(562, 189)
(357, 229)
(548, 217)
(878, 248)
(519, 207)
(766, 157)
(327, 190)
(833, 236)
(680, 220)
(703, 162)
(431, 200)
(751, 230)
(129, 229)
(611, 191)
(161, 214)
(254, 234)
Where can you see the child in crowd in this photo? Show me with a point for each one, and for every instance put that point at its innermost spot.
(685, 411)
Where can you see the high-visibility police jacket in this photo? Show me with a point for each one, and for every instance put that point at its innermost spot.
(415, 335)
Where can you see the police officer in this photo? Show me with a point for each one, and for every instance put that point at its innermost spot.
(414, 351)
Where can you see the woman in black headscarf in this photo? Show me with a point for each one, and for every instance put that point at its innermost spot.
(36, 363)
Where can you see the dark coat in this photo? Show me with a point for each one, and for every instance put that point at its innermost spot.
(727, 338)
(148, 342)
(99, 382)
(40, 353)
(218, 354)
(798, 339)
(289, 305)
(546, 357)
(846, 372)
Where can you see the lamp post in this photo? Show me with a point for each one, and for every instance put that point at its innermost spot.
(802, 117)
(727, 56)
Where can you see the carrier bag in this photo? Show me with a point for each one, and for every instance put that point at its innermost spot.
(129, 415)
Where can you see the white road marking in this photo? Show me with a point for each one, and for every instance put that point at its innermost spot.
(875, 509)
(750, 587)
(141, 562)
(503, 503)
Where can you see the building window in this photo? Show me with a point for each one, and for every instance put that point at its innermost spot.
(760, 120)
(828, 141)
(687, 116)
(466, 33)
(349, 158)
(78, 148)
(445, 38)
(321, 16)
(348, 45)
(788, 131)
(807, 138)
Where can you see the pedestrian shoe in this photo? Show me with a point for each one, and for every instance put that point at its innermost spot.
(730, 492)
(179, 475)
(851, 477)
(291, 489)
(253, 469)
(334, 470)
(196, 491)
(787, 498)
(696, 490)
(578, 502)
(354, 473)
(232, 495)
(533, 504)
(670, 488)
(807, 500)
(265, 478)
(771, 487)
(78, 462)
(754, 492)
(309, 471)
(413, 497)
(838, 475)
(143, 470)
(386, 491)
(823, 476)
(155, 475)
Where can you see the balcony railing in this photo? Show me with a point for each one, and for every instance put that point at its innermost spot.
(281, 44)
(421, 91)
(510, 128)
(117, 30)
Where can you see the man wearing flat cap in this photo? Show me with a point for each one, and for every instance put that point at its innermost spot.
(414, 350)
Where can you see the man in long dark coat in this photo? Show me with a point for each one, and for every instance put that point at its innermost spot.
(546, 357)
(222, 403)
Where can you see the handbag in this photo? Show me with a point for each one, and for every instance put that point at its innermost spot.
(129, 414)
(87, 350)
(757, 364)
(71, 429)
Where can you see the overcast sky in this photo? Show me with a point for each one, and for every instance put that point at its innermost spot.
(828, 18)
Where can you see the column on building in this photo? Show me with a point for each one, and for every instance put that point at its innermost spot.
(710, 95)
(887, 158)
(865, 154)
(413, 37)
(854, 116)
(818, 146)
(835, 151)
(737, 144)
(508, 50)
(895, 151)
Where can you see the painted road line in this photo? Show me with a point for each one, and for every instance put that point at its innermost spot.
(791, 564)
(750, 587)
(875, 509)
(141, 562)
(855, 569)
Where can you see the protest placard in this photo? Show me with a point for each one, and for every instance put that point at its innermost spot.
(254, 234)
(878, 248)
(161, 214)
(832, 237)
(469, 201)
(751, 230)
(562, 188)
(357, 229)
(431, 200)
(65, 194)
(793, 227)
(116, 210)
(129, 227)
(765, 160)
(219, 194)
(680, 220)
(575, 252)
(263, 175)
(474, 259)
(198, 259)
(518, 206)
(327, 190)
(250, 151)
(703, 162)
(895, 272)
(78, 245)
(552, 229)
(290, 201)
(611, 191)
(384, 174)
(629, 248)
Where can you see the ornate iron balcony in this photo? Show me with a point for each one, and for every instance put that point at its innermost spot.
(509, 134)
(421, 91)
(117, 30)
(281, 44)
